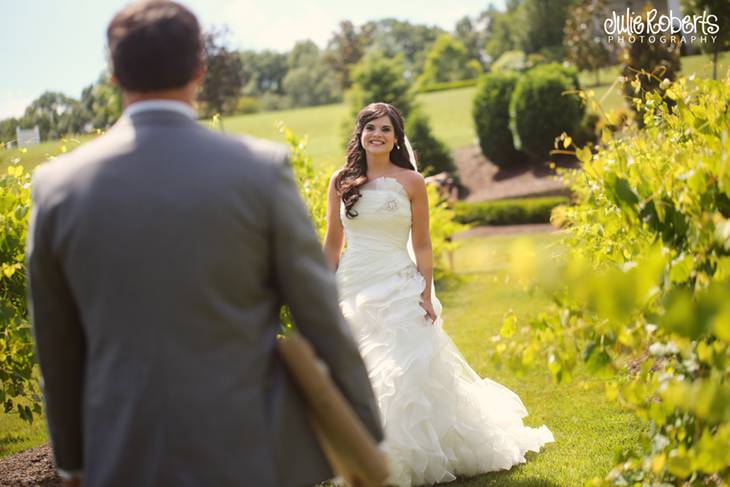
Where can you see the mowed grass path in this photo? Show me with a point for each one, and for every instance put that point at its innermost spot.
(587, 428)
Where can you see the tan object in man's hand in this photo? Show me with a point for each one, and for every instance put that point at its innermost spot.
(74, 481)
(350, 449)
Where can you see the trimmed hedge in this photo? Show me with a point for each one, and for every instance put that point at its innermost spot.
(433, 155)
(490, 111)
(514, 211)
(568, 71)
(541, 110)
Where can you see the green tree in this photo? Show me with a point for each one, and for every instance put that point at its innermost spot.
(378, 78)
(544, 21)
(310, 80)
(504, 32)
(263, 75)
(223, 79)
(302, 54)
(102, 101)
(56, 115)
(448, 60)
(264, 72)
(472, 34)
(393, 37)
(344, 49)
(585, 44)
(721, 9)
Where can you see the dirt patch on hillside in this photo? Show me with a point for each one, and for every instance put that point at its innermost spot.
(482, 180)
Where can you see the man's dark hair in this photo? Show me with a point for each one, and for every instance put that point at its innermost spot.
(154, 45)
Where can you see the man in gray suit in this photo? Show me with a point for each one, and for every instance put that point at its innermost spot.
(160, 254)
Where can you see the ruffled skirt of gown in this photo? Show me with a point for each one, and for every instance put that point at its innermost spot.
(440, 418)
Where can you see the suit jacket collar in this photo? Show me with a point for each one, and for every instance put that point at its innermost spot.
(155, 117)
(160, 105)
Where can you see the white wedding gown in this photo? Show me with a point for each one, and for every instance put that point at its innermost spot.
(440, 418)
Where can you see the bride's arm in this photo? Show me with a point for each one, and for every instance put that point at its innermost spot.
(421, 237)
(334, 237)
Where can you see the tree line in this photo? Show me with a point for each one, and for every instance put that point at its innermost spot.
(524, 34)
(250, 81)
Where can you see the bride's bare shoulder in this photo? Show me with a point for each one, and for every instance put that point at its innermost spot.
(413, 181)
(333, 178)
(332, 189)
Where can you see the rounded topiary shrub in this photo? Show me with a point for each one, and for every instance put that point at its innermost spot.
(491, 117)
(568, 71)
(432, 154)
(543, 106)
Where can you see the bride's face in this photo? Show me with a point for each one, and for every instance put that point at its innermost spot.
(378, 136)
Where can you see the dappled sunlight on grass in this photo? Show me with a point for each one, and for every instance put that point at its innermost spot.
(16, 435)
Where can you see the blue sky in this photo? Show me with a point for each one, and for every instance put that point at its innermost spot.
(59, 45)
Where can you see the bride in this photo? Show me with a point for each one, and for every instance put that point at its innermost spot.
(440, 418)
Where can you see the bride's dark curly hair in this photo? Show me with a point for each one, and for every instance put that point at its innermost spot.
(355, 171)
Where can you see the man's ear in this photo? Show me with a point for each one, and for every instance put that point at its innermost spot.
(115, 81)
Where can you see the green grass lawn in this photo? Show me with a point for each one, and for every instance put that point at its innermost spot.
(16, 435)
(449, 111)
(586, 426)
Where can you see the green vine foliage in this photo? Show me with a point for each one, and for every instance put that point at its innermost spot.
(443, 225)
(645, 67)
(643, 295)
(18, 385)
(313, 184)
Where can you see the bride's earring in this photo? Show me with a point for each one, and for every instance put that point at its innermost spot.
(397, 146)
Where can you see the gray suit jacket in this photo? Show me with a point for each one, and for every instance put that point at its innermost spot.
(159, 256)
